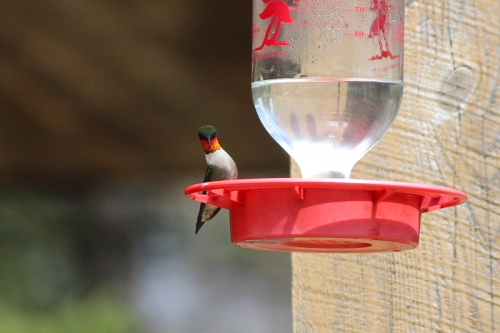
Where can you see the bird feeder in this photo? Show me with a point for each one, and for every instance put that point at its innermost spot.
(327, 84)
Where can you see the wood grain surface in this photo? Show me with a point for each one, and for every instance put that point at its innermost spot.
(447, 133)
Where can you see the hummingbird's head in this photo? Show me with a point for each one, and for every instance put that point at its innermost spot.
(208, 139)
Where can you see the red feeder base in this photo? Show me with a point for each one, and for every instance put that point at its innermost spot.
(325, 215)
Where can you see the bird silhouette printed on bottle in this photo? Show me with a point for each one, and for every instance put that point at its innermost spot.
(380, 28)
(280, 13)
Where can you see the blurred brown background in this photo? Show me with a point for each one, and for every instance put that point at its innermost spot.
(100, 102)
(97, 89)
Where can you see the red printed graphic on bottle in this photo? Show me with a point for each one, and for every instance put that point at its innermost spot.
(280, 13)
(380, 29)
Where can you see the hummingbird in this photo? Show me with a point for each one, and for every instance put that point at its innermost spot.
(220, 166)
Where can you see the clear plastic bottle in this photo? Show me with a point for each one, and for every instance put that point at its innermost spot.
(327, 78)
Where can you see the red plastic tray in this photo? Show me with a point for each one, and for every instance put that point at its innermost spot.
(325, 215)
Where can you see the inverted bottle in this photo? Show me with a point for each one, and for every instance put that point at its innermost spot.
(331, 85)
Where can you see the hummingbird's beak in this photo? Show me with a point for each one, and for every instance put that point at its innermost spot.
(208, 140)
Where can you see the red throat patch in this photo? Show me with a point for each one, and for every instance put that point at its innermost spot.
(214, 145)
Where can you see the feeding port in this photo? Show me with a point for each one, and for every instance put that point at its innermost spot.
(325, 215)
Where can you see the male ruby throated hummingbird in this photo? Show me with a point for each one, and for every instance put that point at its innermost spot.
(220, 166)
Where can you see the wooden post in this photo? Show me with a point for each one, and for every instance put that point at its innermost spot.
(447, 133)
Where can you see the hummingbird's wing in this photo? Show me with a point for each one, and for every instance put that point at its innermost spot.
(209, 171)
(207, 212)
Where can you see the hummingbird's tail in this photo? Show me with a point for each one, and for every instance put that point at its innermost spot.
(207, 212)
(199, 224)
